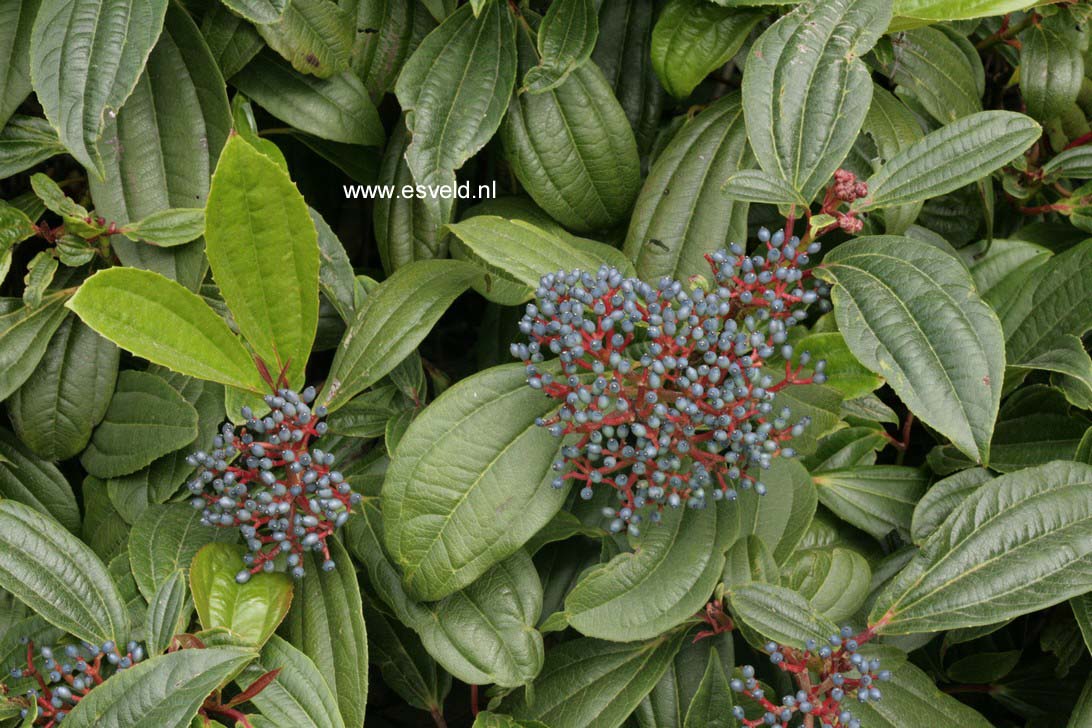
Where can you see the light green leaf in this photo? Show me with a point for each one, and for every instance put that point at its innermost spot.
(806, 90)
(252, 610)
(326, 622)
(164, 540)
(566, 38)
(1051, 66)
(146, 418)
(779, 614)
(1019, 543)
(337, 107)
(942, 499)
(169, 610)
(391, 322)
(587, 682)
(877, 499)
(681, 213)
(693, 38)
(85, 59)
(263, 250)
(957, 9)
(572, 148)
(486, 632)
(24, 338)
(315, 36)
(470, 482)
(299, 696)
(843, 371)
(912, 316)
(454, 89)
(40, 485)
(58, 576)
(951, 157)
(161, 692)
(26, 140)
(168, 135)
(168, 228)
(668, 577)
(836, 581)
(56, 408)
(258, 11)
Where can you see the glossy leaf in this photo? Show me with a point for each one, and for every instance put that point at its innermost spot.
(146, 418)
(470, 482)
(163, 691)
(998, 557)
(912, 317)
(692, 39)
(85, 59)
(251, 611)
(392, 321)
(806, 91)
(58, 576)
(263, 251)
(406, 666)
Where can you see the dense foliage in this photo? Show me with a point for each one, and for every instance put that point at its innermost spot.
(522, 363)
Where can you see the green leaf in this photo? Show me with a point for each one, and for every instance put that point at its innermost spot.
(749, 560)
(169, 611)
(391, 322)
(693, 38)
(299, 695)
(779, 614)
(1082, 612)
(951, 157)
(487, 719)
(263, 251)
(58, 576)
(337, 107)
(669, 576)
(407, 667)
(168, 228)
(933, 68)
(24, 338)
(1082, 713)
(486, 632)
(712, 704)
(164, 540)
(56, 408)
(40, 485)
(399, 27)
(475, 450)
(1074, 163)
(754, 185)
(942, 499)
(85, 59)
(315, 36)
(454, 89)
(1019, 543)
(326, 623)
(957, 9)
(836, 581)
(1051, 66)
(586, 682)
(780, 521)
(163, 691)
(892, 128)
(252, 610)
(168, 135)
(16, 20)
(1002, 270)
(26, 141)
(681, 213)
(806, 92)
(521, 250)
(912, 695)
(1054, 303)
(232, 41)
(877, 499)
(912, 316)
(146, 418)
(258, 11)
(15, 227)
(566, 38)
(843, 371)
(572, 148)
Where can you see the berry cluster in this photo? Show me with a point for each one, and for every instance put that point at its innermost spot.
(667, 392)
(829, 678)
(266, 479)
(65, 675)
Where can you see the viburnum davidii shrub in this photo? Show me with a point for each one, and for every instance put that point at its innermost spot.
(523, 363)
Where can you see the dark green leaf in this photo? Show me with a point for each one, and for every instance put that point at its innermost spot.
(388, 31)
(24, 338)
(26, 141)
(164, 540)
(258, 11)
(566, 38)
(877, 499)
(40, 485)
(169, 611)
(1051, 66)
(299, 696)
(933, 69)
(316, 36)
